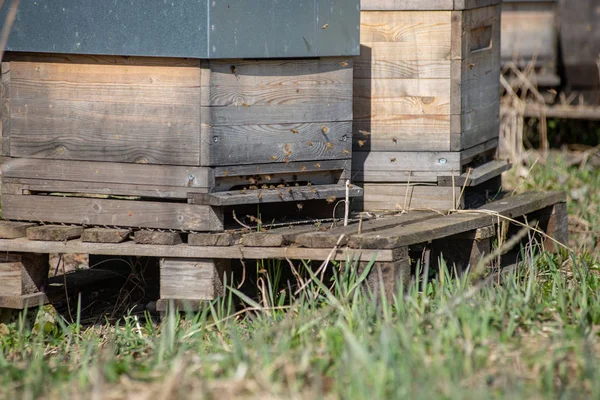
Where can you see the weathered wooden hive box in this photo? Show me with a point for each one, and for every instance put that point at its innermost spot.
(160, 118)
(426, 99)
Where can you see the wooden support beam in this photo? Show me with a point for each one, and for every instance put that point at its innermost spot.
(158, 238)
(105, 235)
(13, 230)
(54, 233)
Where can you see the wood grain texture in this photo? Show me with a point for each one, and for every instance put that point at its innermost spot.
(28, 301)
(105, 235)
(185, 251)
(329, 238)
(396, 196)
(108, 173)
(375, 163)
(365, 67)
(328, 193)
(143, 214)
(477, 175)
(276, 73)
(275, 143)
(457, 223)
(212, 239)
(155, 237)
(424, 5)
(5, 125)
(54, 233)
(192, 279)
(13, 230)
(97, 131)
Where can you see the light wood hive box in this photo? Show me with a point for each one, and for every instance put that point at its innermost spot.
(426, 98)
(149, 142)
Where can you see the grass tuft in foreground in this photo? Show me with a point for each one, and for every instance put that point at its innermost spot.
(531, 331)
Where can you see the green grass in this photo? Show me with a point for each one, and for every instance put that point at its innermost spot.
(531, 331)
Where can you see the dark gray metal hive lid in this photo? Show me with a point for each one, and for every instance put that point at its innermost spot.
(188, 28)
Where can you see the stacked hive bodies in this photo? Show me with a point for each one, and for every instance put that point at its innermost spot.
(426, 99)
(162, 121)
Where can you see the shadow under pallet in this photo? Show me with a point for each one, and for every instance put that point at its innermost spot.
(193, 265)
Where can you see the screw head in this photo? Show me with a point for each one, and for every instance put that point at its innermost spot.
(215, 139)
(442, 161)
(344, 138)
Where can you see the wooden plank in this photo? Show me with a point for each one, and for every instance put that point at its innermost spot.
(383, 124)
(282, 114)
(468, 155)
(108, 173)
(112, 70)
(398, 196)
(200, 279)
(374, 166)
(365, 67)
(185, 251)
(105, 235)
(5, 109)
(329, 193)
(28, 301)
(397, 51)
(102, 212)
(99, 189)
(329, 238)
(237, 96)
(280, 168)
(96, 131)
(477, 175)
(456, 223)
(384, 137)
(417, 96)
(275, 143)
(277, 73)
(423, 28)
(406, 5)
(263, 239)
(479, 126)
(13, 230)
(223, 239)
(424, 5)
(155, 237)
(54, 233)
(11, 278)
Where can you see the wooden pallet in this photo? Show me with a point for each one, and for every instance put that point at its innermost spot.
(192, 267)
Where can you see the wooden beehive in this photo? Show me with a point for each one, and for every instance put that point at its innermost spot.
(166, 143)
(426, 98)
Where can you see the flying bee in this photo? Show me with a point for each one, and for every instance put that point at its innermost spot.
(272, 187)
(303, 168)
(286, 160)
(300, 206)
(253, 187)
(265, 186)
(364, 133)
(394, 140)
(280, 186)
(243, 190)
(313, 190)
(225, 173)
(309, 184)
(259, 195)
(233, 69)
(331, 199)
(393, 160)
(309, 143)
(273, 158)
(325, 26)
(325, 129)
(361, 143)
(268, 177)
(294, 131)
(329, 145)
(344, 64)
(318, 165)
(281, 195)
(346, 152)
